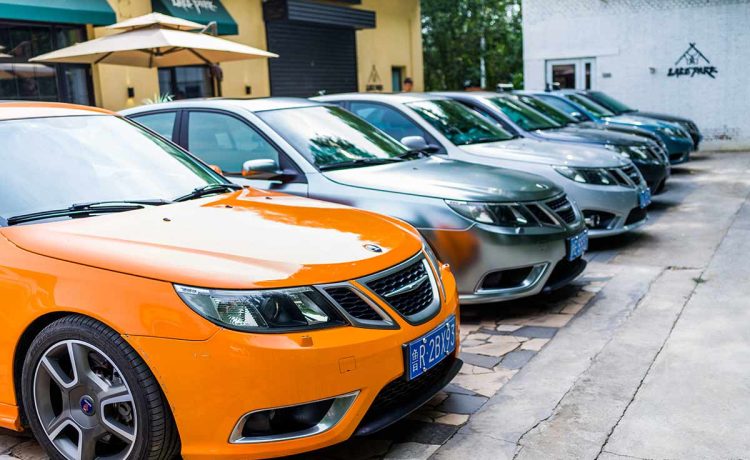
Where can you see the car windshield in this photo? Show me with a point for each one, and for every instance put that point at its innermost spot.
(558, 116)
(53, 163)
(523, 115)
(590, 105)
(609, 102)
(331, 136)
(460, 125)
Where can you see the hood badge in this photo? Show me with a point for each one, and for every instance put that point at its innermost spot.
(373, 248)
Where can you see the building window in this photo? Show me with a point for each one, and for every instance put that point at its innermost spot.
(186, 82)
(21, 79)
(397, 79)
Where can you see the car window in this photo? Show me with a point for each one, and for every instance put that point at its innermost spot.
(387, 119)
(548, 110)
(590, 105)
(523, 115)
(493, 118)
(609, 102)
(53, 163)
(460, 125)
(566, 107)
(161, 123)
(226, 141)
(330, 136)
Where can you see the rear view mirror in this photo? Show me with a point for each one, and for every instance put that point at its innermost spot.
(261, 169)
(418, 144)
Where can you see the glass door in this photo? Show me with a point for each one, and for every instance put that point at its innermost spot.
(570, 73)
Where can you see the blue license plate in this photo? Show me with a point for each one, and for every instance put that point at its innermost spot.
(425, 352)
(578, 245)
(644, 198)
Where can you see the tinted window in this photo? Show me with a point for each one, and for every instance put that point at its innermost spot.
(547, 110)
(52, 163)
(388, 119)
(523, 115)
(331, 135)
(460, 125)
(590, 105)
(161, 123)
(609, 102)
(565, 106)
(226, 141)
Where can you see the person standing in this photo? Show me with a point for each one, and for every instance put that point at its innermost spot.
(408, 85)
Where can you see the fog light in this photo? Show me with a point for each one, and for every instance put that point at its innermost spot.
(597, 219)
(593, 220)
(291, 422)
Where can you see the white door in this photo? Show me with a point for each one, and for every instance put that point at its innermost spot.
(571, 73)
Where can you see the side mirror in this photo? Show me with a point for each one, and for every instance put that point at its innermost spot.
(260, 169)
(418, 144)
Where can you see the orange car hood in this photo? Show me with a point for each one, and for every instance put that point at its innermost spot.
(248, 239)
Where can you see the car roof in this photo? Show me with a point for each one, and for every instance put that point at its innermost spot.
(14, 110)
(251, 104)
(399, 98)
(469, 94)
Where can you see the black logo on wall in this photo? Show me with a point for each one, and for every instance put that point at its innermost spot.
(692, 63)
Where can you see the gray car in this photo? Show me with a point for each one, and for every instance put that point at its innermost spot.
(506, 234)
(607, 187)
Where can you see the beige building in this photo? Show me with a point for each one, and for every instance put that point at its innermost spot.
(325, 46)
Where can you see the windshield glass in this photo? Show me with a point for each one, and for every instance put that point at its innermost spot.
(523, 115)
(459, 124)
(590, 105)
(609, 102)
(53, 163)
(330, 135)
(558, 116)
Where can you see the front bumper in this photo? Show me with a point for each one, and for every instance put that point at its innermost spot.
(678, 149)
(655, 175)
(479, 251)
(212, 384)
(618, 206)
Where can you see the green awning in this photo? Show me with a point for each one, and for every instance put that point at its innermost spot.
(96, 12)
(200, 11)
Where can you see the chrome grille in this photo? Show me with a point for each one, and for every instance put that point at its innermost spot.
(563, 208)
(632, 173)
(409, 290)
(353, 304)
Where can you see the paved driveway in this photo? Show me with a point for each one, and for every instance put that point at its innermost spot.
(641, 357)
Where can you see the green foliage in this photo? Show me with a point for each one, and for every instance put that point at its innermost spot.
(452, 31)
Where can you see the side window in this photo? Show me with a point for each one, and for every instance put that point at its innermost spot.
(396, 124)
(566, 107)
(491, 118)
(161, 123)
(227, 142)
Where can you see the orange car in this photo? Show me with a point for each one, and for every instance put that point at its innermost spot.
(146, 314)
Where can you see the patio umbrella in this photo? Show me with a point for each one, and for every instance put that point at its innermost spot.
(155, 40)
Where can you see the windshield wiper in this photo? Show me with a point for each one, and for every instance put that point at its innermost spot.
(86, 209)
(359, 162)
(209, 189)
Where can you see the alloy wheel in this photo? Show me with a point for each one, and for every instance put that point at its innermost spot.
(83, 402)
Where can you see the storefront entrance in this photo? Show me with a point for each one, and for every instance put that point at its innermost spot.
(570, 73)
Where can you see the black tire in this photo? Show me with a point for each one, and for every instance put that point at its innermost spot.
(156, 436)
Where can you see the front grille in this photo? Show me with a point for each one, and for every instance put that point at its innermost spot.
(636, 215)
(409, 290)
(633, 174)
(563, 208)
(540, 214)
(353, 304)
(401, 391)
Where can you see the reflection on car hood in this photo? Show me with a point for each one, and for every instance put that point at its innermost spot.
(244, 240)
(591, 136)
(448, 179)
(644, 122)
(551, 153)
(661, 116)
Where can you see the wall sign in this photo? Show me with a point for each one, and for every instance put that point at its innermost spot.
(196, 5)
(692, 63)
(374, 83)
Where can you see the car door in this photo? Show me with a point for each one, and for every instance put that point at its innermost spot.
(227, 141)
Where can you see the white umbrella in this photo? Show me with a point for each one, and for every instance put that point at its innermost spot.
(154, 40)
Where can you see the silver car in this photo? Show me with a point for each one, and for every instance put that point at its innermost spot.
(607, 187)
(506, 234)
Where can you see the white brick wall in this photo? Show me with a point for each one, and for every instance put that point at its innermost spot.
(637, 41)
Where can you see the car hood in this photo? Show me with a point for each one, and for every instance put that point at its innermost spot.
(439, 177)
(550, 153)
(661, 116)
(632, 119)
(244, 240)
(591, 136)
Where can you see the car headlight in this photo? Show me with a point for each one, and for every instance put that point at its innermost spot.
(503, 215)
(674, 132)
(593, 176)
(632, 152)
(277, 310)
